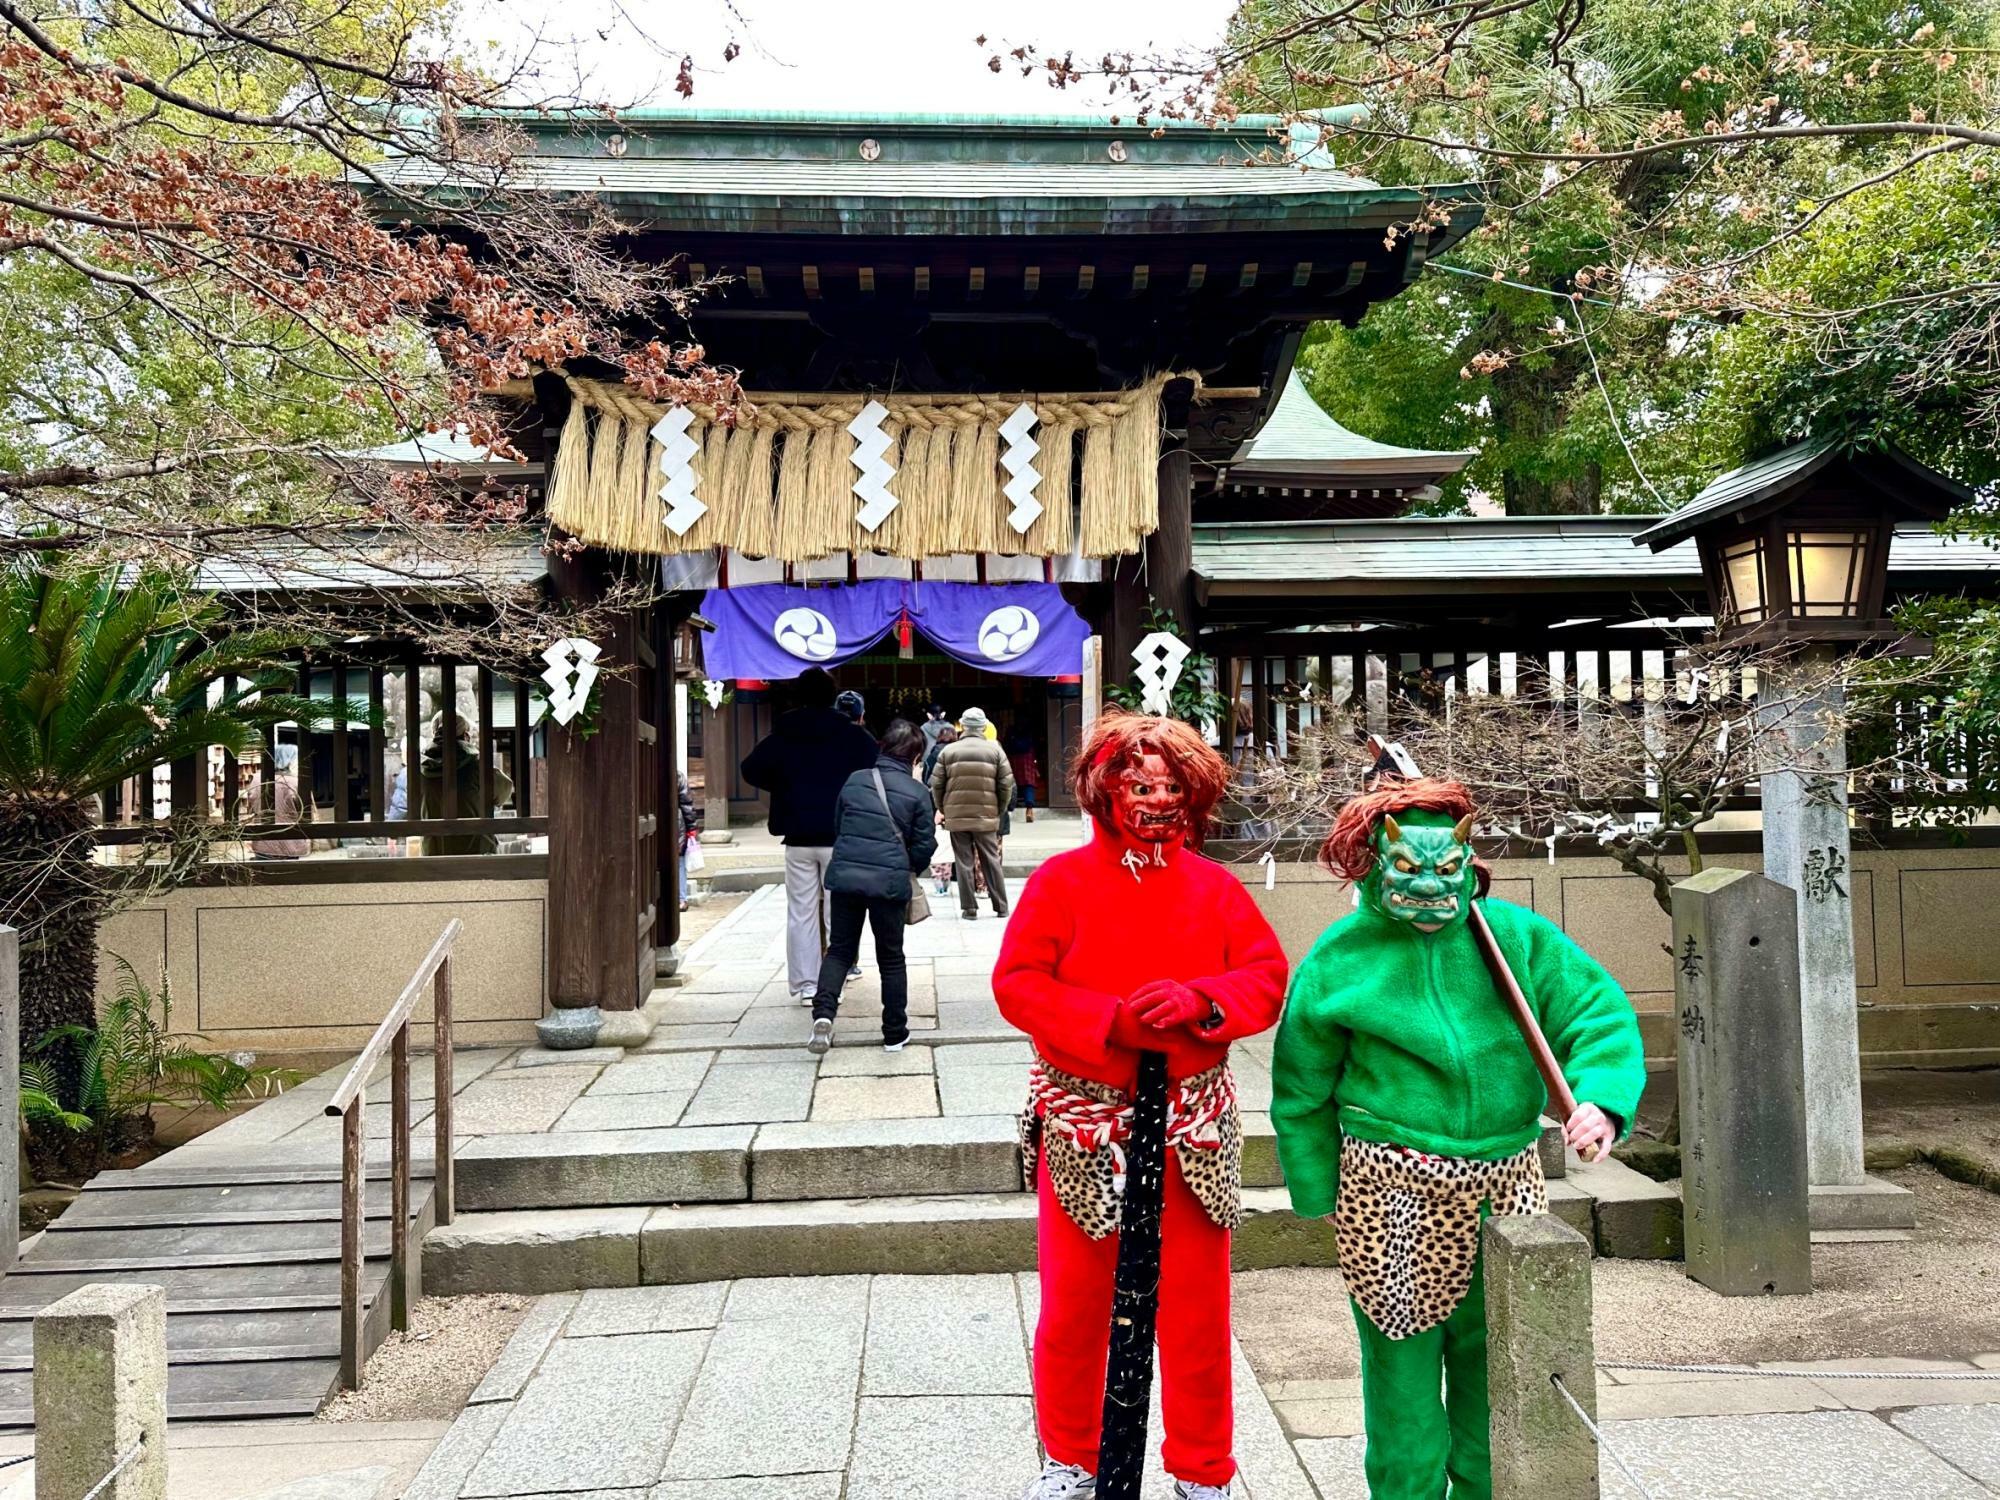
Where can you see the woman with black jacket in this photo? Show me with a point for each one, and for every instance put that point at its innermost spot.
(884, 834)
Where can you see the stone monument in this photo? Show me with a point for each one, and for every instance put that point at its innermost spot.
(1747, 1210)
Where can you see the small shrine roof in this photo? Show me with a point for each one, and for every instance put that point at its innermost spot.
(1300, 440)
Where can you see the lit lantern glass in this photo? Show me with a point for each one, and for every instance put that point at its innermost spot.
(1826, 571)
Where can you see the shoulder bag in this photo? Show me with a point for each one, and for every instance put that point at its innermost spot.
(920, 904)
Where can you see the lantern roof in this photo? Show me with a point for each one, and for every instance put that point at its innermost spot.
(1906, 488)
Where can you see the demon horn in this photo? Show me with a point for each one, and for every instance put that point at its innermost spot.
(1462, 829)
(1391, 827)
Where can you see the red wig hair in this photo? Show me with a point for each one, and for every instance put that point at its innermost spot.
(1349, 850)
(1121, 738)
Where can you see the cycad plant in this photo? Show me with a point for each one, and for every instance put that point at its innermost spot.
(105, 673)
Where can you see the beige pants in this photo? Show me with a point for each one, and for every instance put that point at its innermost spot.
(984, 847)
(806, 922)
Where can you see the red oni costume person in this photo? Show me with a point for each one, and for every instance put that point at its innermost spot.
(1136, 942)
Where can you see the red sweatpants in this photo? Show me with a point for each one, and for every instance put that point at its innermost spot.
(1073, 1339)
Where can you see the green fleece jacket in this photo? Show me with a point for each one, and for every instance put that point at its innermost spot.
(1390, 1034)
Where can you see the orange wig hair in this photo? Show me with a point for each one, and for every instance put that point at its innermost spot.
(1121, 738)
(1349, 850)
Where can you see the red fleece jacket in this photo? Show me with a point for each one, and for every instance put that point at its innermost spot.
(1085, 934)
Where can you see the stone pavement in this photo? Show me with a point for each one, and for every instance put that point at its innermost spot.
(895, 1387)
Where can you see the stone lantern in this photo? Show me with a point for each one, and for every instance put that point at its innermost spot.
(1795, 548)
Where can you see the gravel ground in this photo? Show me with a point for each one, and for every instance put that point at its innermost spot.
(430, 1372)
(1936, 1296)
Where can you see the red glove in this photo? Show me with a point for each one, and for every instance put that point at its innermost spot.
(1167, 1003)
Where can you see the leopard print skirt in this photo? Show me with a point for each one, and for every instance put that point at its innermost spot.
(1088, 1183)
(1406, 1225)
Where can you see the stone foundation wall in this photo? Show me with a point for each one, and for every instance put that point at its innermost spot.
(285, 964)
(1926, 938)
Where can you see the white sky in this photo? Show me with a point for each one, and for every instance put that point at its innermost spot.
(887, 55)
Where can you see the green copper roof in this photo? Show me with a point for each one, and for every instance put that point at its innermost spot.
(720, 171)
(1301, 439)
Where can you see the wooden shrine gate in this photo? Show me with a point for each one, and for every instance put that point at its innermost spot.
(614, 833)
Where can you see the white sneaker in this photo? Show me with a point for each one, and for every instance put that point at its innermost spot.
(1062, 1482)
(896, 1046)
(821, 1040)
(1187, 1489)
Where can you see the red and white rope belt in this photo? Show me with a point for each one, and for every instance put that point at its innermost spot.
(1196, 1108)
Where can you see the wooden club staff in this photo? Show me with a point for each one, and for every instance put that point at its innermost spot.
(1135, 1291)
(1392, 759)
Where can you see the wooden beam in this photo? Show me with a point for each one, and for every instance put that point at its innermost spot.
(1302, 273)
(975, 284)
(1246, 279)
(1197, 274)
(1141, 276)
(1086, 278)
(1031, 281)
(810, 276)
(754, 275)
(920, 283)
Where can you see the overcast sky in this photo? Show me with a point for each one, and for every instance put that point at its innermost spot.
(888, 55)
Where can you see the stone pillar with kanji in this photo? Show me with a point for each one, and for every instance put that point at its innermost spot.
(1807, 846)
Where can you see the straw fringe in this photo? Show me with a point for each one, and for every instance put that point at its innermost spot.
(780, 483)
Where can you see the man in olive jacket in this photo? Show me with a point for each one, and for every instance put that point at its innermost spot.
(973, 788)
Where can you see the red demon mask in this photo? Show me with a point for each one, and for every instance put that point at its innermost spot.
(1149, 781)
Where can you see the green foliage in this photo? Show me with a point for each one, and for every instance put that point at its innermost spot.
(1191, 701)
(102, 677)
(132, 1065)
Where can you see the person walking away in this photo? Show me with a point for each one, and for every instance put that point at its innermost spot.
(802, 764)
(972, 786)
(934, 725)
(885, 832)
(851, 706)
(1026, 768)
(948, 735)
(690, 828)
(452, 741)
(286, 804)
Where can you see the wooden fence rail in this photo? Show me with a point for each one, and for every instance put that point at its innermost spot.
(349, 1102)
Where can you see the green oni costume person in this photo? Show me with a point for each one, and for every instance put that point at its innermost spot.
(1407, 1106)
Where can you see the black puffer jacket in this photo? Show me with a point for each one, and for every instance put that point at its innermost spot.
(872, 856)
(802, 763)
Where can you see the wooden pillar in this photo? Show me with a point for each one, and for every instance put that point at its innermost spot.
(718, 759)
(666, 673)
(1170, 549)
(593, 910)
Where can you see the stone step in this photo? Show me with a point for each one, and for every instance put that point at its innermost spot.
(558, 1250)
(820, 1159)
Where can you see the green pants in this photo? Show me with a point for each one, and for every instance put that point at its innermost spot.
(1419, 1434)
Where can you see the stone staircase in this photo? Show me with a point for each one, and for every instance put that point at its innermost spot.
(563, 1211)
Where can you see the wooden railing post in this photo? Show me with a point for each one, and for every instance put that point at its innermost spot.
(399, 1180)
(442, 1175)
(353, 1185)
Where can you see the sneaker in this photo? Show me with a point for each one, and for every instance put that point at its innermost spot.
(1062, 1482)
(1187, 1489)
(821, 1040)
(805, 996)
(855, 972)
(896, 1046)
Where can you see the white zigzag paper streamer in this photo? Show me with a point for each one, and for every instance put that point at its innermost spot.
(1018, 461)
(1160, 657)
(683, 507)
(870, 443)
(571, 671)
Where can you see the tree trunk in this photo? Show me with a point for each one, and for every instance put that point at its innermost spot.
(51, 892)
(1530, 410)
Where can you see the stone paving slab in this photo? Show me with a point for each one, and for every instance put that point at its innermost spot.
(866, 1098)
(775, 1395)
(556, 1438)
(651, 1111)
(1825, 1455)
(519, 1101)
(522, 1356)
(862, 1062)
(605, 1168)
(944, 1336)
(941, 1447)
(775, 1487)
(700, 1007)
(667, 1072)
(1967, 1436)
(646, 1309)
(998, 1089)
(884, 1158)
(755, 1094)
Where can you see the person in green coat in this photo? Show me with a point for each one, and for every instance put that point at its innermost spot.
(1407, 1107)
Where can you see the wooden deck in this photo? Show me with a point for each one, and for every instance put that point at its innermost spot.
(250, 1259)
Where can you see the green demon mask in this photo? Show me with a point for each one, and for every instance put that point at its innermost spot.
(1423, 869)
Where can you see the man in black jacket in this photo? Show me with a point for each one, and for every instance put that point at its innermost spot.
(802, 763)
(885, 835)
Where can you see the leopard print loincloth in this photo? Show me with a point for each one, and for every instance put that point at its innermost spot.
(1407, 1226)
(1089, 1184)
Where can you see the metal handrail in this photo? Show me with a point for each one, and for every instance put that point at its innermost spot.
(349, 1102)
